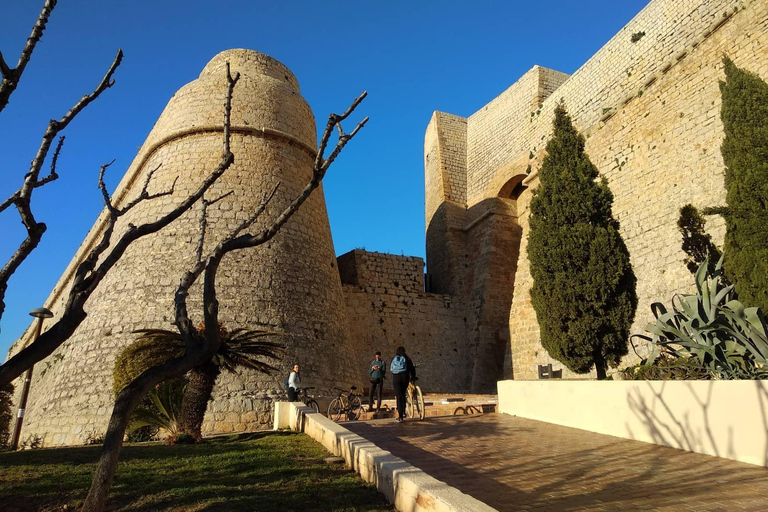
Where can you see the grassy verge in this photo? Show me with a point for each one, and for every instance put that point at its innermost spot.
(267, 472)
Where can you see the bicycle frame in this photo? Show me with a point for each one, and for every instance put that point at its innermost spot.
(347, 403)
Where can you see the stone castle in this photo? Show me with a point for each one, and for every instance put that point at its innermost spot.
(648, 103)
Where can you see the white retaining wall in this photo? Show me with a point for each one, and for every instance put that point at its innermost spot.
(723, 418)
(407, 487)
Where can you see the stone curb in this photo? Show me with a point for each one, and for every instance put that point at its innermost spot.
(407, 487)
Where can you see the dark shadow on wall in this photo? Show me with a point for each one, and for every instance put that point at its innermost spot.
(493, 246)
(669, 428)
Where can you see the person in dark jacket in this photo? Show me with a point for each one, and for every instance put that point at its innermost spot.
(377, 369)
(403, 371)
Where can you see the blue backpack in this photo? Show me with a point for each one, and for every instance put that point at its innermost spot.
(287, 380)
(398, 365)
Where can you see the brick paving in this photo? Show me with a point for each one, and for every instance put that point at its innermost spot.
(515, 464)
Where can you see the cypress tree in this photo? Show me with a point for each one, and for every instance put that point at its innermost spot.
(584, 288)
(745, 153)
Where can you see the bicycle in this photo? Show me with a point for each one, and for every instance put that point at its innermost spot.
(414, 402)
(348, 402)
(308, 400)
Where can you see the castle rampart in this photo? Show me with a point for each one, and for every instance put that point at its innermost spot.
(649, 105)
(289, 286)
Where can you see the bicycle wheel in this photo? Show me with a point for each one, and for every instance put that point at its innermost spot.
(409, 403)
(313, 404)
(418, 403)
(335, 410)
(355, 407)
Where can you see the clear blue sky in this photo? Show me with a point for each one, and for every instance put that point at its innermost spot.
(413, 57)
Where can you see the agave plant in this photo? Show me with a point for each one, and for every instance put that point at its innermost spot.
(163, 414)
(239, 348)
(729, 340)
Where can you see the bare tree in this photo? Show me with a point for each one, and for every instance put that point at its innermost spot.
(201, 347)
(11, 76)
(22, 198)
(103, 256)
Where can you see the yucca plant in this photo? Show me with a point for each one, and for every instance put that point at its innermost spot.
(239, 348)
(728, 339)
(163, 414)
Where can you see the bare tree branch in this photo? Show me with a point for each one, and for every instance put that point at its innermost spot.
(10, 76)
(265, 199)
(103, 187)
(22, 198)
(54, 160)
(100, 261)
(54, 126)
(204, 203)
(200, 348)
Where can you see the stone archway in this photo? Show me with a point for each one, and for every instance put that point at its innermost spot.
(513, 187)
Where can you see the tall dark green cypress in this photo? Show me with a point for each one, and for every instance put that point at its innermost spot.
(583, 284)
(745, 153)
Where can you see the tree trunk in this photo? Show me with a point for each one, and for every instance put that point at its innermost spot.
(196, 398)
(600, 365)
(110, 453)
(126, 402)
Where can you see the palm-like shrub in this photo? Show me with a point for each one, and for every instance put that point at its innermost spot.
(583, 284)
(160, 410)
(240, 348)
(713, 328)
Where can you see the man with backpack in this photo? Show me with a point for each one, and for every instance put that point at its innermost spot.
(403, 371)
(378, 370)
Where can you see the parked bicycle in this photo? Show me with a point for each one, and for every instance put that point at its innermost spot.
(414, 402)
(347, 403)
(308, 400)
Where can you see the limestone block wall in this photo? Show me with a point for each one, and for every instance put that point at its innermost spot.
(290, 285)
(650, 111)
(384, 314)
(445, 181)
(492, 131)
(380, 272)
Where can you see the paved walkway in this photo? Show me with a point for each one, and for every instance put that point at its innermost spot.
(514, 464)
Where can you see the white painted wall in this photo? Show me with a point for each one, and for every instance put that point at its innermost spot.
(723, 418)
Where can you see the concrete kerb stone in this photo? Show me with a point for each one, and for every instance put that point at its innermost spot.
(409, 488)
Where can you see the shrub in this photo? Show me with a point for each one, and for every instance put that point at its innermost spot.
(6, 414)
(163, 415)
(745, 153)
(584, 288)
(667, 368)
(712, 328)
(139, 357)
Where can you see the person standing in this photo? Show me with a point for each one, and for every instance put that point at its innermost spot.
(294, 383)
(403, 371)
(378, 370)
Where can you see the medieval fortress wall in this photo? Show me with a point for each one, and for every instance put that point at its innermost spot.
(387, 308)
(289, 285)
(650, 110)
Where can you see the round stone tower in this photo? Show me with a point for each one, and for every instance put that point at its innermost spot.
(290, 285)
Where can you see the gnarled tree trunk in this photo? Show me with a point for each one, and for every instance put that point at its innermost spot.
(196, 397)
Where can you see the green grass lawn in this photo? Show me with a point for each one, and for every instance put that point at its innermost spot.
(268, 471)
